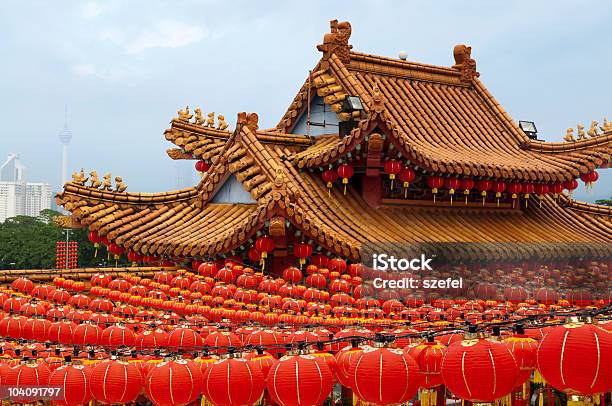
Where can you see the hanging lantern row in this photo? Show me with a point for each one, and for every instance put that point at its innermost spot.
(484, 186)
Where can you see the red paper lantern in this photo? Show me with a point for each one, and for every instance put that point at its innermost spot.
(541, 189)
(452, 184)
(344, 358)
(556, 188)
(329, 177)
(499, 187)
(406, 176)
(117, 335)
(36, 329)
(292, 274)
(86, 334)
(23, 285)
(434, 183)
(24, 375)
(467, 184)
(484, 185)
(265, 245)
(74, 382)
(301, 250)
(185, 339)
(345, 172)
(479, 370)
(61, 332)
(528, 189)
(299, 380)
(116, 382)
(514, 188)
(319, 261)
(233, 381)
(151, 339)
(576, 358)
(570, 185)
(524, 349)
(384, 376)
(428, 356)
(201, 166)
(392, 168)
(174, 383)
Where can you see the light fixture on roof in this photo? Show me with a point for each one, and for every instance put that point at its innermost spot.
(403, 55)
(351, 108)
(351, 104)
(529, 128)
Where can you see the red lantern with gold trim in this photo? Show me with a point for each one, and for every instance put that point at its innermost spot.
(95, 239)
(174, 383)
(556, 189)
(452, 184)
(570, 185)
(265, 245)
(434, 182)
(524, 349)
(329, 177)
(479, 370)
(299, 380)
(392, 168)
(233, 381)
(467, 184)
(74, 382)
(301, 250)
(406, 176)
(541, 189)
(202, 167)
(484, 185)
(384, 376)
(345, 172)
(115, 381)
(528, 189)
(576, 358)
(499, 187)
(514, 188)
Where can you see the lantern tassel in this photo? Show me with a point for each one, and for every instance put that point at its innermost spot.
(96, 246)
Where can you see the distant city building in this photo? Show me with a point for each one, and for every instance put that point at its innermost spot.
(12, 170)
(18, 197)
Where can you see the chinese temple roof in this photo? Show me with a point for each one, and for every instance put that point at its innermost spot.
(441, 118)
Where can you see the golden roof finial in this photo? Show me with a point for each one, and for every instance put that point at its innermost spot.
(108, 183)
(79, 178)
(184, 115)
(593, 130)
(199, 119)
(120, 187)
(581, 133)
(569, 135)
(94, 182)
(221, 124)
(210, 122)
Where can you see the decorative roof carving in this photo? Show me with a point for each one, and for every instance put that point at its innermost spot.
(465, 63)
(336, 41)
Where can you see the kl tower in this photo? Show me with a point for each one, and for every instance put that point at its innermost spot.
(65, 135)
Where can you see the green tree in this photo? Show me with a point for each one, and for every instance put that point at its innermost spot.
(29, 242)
(605, 202)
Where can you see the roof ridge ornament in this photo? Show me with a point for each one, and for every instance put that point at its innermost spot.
(250, 120)
(378, 99)
(465, 63)
(336, 41)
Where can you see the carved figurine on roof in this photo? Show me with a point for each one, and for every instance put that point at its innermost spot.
(465, 63)
(336, 41)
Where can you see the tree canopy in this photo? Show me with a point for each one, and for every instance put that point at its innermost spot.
(29, 242)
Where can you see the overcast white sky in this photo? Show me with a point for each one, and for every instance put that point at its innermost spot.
(124, 68)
